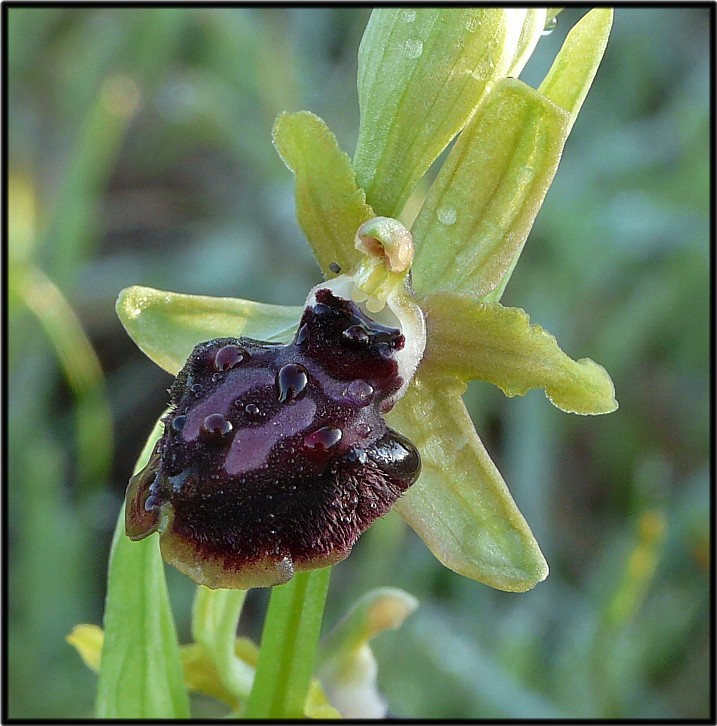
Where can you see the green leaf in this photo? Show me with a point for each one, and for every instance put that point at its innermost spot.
(141, 672)
(571, 75)
(166, 325)
(483, 203)
(468, 339)
(329, 205)
(460, 506)
(288, 647)
(421, 74)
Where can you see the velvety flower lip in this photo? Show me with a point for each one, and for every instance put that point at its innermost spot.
(275, 458)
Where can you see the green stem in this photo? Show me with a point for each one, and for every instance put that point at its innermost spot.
(288, 647)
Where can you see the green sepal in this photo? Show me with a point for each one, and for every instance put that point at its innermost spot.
(167, 325)
(140, 671)
(421, 73)
(482, 205)
(329, 205)
(530, 34)
(469, 339)
(460, 506)
(571, 75)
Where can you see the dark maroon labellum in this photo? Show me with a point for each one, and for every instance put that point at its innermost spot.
(275, 458)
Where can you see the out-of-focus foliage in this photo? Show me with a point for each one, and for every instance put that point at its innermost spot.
(140, 153)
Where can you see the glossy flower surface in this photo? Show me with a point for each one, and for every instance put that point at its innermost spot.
(276, 457)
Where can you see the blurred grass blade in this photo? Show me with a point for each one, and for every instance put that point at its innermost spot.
(141, 672)
(483, 203)
(166, 325)
(468, 339)
(571, 75)
(460, 506)
(421, 74)
(81, 368)
(73, 227)
(329, 205)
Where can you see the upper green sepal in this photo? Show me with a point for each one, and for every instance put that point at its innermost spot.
(469, 339)
(330, 207)
(421, 73)
(167, 325)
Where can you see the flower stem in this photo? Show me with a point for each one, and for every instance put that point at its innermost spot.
(288, 647)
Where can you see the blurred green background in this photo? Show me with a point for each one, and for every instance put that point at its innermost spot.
(140, 153)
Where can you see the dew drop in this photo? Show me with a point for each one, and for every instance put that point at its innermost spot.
(355, 334)
(409, 15)
(550, 25)
(359, 392)
(413, 48)
(321, 309)
(216, 377)
(216, 425)
(228, 357)
(178, 422)
(363, 430)
(321, 441)
(302, 335)
(252, 411)
(291, 382)
(447, 216)
(196, 389)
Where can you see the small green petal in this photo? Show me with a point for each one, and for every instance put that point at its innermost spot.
(348, 667)
(166, 325)
(460, 506)
(421, 74)
(329, 205)
(483, 203)
(469, 339)
(571, 75)
(533, 26)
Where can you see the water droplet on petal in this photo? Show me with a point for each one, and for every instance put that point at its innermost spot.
(196, 389)
(413, 48)
(359, 392)
(178, 422)
(356, 334)
(302, 335)
(319, 443)
(447, 215)
(216, 425)
(550, 25)
(291, 382)
(228, 357)
(363, 429)
(409, 15)
(252, 411)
